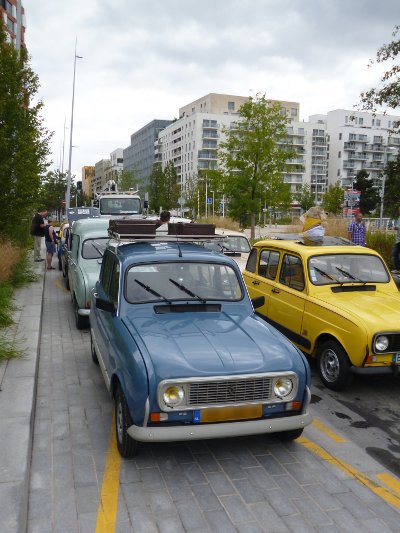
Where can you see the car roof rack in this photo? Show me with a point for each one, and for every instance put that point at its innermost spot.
(125, 231)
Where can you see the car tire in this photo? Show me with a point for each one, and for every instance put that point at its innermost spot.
(287, 436)
(59, 264)
(334, 366)
(93, 351)
(127, 446)
(80, 321)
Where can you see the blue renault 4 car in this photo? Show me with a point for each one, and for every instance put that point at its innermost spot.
(183, 353)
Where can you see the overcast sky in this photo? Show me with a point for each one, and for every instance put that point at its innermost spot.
(143, 60)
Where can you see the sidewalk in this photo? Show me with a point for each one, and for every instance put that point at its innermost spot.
(17, 403)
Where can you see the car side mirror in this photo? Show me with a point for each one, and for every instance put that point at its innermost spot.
(105, 305)
(257, 302)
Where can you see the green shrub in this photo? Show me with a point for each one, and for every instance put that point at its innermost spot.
(382, 243)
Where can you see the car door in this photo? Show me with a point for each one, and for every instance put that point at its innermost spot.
(288, 298)
(73, 260)
(260, 275)
(102, 322)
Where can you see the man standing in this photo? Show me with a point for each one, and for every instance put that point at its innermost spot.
(396, 247)
(357, 230)
(37, 231)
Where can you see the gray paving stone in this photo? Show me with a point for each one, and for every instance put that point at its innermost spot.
(249, 491)
(355, 506)
(279, 501)
(160, 503)
(344, 519)
(375, 525)
(207, 462)
(271, 465)
(267, 517)
(236, 509)
(220, 483)
(233, 469)
(250, 527)
(323, 498)
(261, 478)
(170, 524)
(313, 513)
(142, 521)
(193, 474)
(298, 524)
(219, 521)
(206, 499)
(190, 514)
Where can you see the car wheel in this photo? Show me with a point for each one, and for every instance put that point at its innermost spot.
(333, 366)
(59, 264)
(93, 351)
(290, 435)
(127, 447)
(80, 321)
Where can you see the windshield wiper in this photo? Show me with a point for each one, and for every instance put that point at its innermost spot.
(152, 291)
(347, 274)
(325, 274)
(188, 291)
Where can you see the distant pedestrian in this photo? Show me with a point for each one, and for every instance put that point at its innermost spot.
(37, 231)
(357, 230)
(396, 247)
(50, 238)
(162, 224)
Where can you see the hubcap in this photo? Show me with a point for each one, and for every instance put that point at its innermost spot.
(330, 365)
(119, 422)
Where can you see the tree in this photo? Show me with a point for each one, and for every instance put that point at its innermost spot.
(333, 199)
(369, 197)
(24, 141)
(388, 95)
(52, 191)
(127, 180)
(306, 198)
(156, 188)
(392, 187)
(172, 190)
(253, 157)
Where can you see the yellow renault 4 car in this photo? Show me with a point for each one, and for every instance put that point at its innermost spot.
(336, 303)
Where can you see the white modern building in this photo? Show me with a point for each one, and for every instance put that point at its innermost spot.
(358, 141)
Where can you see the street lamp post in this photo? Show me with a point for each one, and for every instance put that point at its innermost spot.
(68, 193)
(382, 201)
(213, 203)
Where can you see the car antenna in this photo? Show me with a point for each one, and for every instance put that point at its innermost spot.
(179, 248)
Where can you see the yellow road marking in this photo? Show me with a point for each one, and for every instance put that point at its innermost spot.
(60, 285)
(327, 431)
(108, 505)
(390, 481)
(382, 492)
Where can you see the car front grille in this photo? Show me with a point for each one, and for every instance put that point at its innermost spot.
(230, 391)
(394, 342)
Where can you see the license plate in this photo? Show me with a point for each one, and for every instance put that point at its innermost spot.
(396, 358)
(226, 414)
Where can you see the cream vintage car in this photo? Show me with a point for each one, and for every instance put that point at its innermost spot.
(336, 303)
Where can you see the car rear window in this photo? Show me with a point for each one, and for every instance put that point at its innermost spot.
(94, 248)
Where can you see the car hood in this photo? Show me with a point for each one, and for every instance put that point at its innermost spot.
(195, 344)
(379, 310)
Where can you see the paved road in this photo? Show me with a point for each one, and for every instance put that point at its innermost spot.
(324, 482)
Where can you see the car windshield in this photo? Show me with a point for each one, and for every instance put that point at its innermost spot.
(119, 206)
(346, 268)
(94, 248)
(181, 281)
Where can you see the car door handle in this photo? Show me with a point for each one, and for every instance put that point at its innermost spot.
(95, 294)
(277, 291)
(255, 282)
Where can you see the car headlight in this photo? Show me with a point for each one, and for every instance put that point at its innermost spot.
(283, 387)
(381, 343)
(173, 395)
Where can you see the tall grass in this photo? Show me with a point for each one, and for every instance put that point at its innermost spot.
(220, 222)
(15, 271)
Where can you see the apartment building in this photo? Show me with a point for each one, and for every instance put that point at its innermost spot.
(101, 170)
(13, 15)
(139, 156)
(192, 141)
(359, 141)
(87, 177)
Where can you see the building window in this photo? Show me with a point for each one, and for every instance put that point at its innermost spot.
(373, 122)
(339, 155)
(293, 112)
(338, 172)
(346, 120)
(231, 106)
(361, 121)
(283, 111)
(378, 122)
(340, 136)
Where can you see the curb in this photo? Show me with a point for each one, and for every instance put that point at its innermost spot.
(18, 381)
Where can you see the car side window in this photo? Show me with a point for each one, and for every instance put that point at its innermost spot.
(105, 274)
(114, 283)
(75, 246)
(252, 261)
(268, 265)
(292, 273)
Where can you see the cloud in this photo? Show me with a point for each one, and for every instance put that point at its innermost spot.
(144, 60)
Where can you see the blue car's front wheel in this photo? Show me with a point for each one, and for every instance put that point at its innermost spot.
(127, 447)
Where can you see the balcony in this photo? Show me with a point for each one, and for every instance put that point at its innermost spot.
(394, 141)
(358, 137)
(373, 165)
(207, 154)
(210, 135)
(360, 156)
(350, 146)
(348, 164)
(210, 124)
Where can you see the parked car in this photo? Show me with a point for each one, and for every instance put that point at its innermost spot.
(86, 245)
(183, 353)
(62, 238)
(336, 303)
(236, 245)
